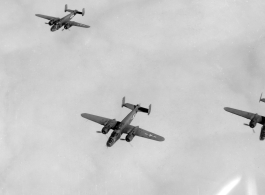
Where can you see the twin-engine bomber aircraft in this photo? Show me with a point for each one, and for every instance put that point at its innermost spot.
(254, 118)
(124, 126)
(57, 23)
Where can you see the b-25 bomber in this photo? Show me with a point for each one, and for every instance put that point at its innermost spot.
(57, 23)
(124, 126)
(254, 118)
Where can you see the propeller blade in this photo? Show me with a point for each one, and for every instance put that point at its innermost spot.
(122, 139)
(252, 128)
(101, 133)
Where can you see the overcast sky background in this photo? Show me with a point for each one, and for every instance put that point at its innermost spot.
(188, 58)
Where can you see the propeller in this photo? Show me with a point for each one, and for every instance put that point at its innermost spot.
(249, 126)
(122, 139)
(101, 133)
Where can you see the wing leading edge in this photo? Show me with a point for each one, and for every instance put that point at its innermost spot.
(247, 115)
(143, 133)
(77, 24)
(140, 132)
(47, 17)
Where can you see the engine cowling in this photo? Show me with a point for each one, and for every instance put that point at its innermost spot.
(131, 135)
(52, 22)
(253, 123)
(110, 124)
(67, 26)
(262, 133)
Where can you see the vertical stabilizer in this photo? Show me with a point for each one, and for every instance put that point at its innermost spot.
(123, 102)
(261, 99)
(68, 10)
(149, 110)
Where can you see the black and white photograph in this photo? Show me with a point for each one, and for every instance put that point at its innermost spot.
(132, 97)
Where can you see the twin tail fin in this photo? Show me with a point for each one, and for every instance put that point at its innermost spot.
(131, 106)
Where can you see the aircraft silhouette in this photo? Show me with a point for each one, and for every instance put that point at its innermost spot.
(57, 23)
(254, 118)
(124, 126)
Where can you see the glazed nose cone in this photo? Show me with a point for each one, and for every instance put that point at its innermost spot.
(110, 142)
(53, 29)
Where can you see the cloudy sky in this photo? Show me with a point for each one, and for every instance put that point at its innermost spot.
(188, 58)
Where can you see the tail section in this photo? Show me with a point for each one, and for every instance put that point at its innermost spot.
(123, 102)
(261, 99)
(66, 9)
(131, 106)
(149, 110)
(78, 12)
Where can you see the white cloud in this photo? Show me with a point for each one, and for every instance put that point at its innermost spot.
(188, 58)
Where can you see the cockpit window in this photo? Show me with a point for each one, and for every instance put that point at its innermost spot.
(114, 134)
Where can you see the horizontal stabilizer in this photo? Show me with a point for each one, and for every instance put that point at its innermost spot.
(66, 9)
(78, 12)
(141, 109)
(131, 106)
(127, 105)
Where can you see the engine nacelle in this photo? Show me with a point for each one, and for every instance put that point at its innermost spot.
(262, 133)
(52, 22)
(67, 26)
(253, 123)
(131, 135)
(110, 124)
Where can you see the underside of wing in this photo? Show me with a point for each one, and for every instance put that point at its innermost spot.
(247, 115)
(143, 133)
(78, 24)
(98, 119)
(47, 17)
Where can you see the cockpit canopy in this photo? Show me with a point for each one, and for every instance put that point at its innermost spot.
(114, 134)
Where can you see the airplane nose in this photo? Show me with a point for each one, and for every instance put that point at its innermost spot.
(53, 29)
(109, 143)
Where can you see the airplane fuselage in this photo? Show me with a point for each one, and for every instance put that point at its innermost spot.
(62, 21)
(116, 134)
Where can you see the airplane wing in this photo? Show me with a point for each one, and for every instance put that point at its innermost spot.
(143, 133)
(98, 119)
(47, 17)
(77, 24)
(140, 132)
(247, 115)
